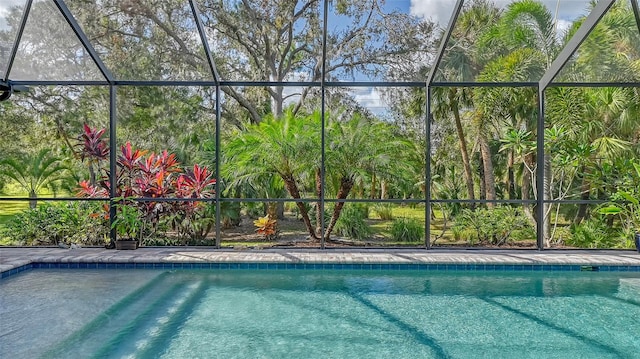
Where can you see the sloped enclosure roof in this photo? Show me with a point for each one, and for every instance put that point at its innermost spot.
(180, 41)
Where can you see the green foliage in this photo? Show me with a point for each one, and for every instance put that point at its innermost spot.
(128, 222)
(625, 203)
(491, 226)
(592, 233)
(34, 173)
(384, 211)
(54, 223)
(230, 214)
(312, 213)
(407, 230)
(363, 208)
(352, 223)
(255, 209)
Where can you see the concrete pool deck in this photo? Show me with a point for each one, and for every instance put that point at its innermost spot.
(11, 258)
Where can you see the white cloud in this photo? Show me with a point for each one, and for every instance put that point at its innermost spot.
(368, 97)
(437, 10)
(563, 26)
(5, 9)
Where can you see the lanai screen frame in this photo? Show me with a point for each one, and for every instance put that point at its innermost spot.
(545, 82)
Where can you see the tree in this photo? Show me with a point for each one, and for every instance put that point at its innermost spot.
(463, 63)
(35, 173)
(283, 148)
(281, 41)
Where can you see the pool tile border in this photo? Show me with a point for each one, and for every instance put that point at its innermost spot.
(326, 266)
(19, 259)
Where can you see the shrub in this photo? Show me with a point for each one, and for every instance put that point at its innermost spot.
(312, 214)
(591, 234)
(384, 211)
(407, 230)
(252, 209)
(156, 176)
(55, 223)
(492, 226)
(351, 223)
(267, 228)
(363, 208)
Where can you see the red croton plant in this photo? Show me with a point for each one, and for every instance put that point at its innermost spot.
(151, 176)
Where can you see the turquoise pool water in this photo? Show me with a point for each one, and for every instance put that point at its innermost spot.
(62, 313)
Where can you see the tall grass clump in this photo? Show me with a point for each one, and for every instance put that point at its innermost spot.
(407, 230)
(351, 223)
(384, 211)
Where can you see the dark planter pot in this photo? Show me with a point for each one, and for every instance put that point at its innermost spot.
(636, 239)
(126, 244)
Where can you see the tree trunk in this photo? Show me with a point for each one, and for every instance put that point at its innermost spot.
(511, 181)
(345, 186)
(277, 101)
(466, 164)
(292, 188)
(372, 191)
(547, 196)
(489, 178)
(279, 210)
(585, 193)
(483, 184)
(33, 199)
(526, 189)
(384, 192)
(92, 175)
(319, 209)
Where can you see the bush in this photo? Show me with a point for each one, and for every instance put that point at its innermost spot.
(351, 223)
(311, 210)
(492, 226)
(363, 208)
(55, 223)
(384, 211)
(252, 209)
(407, 230)
(592, 234)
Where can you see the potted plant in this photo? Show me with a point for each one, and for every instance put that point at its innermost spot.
(128, 225)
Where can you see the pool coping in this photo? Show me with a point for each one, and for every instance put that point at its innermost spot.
(14, 260)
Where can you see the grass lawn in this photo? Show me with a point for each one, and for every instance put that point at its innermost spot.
(8, 209)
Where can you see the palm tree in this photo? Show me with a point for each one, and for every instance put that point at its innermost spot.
(600, 119)
(358, 148)
(523, 44)
(35, 173)
(463, 63)
(285, 148)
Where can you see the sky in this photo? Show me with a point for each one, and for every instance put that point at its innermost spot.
(5, 5)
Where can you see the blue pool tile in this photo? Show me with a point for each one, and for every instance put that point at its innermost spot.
(430, 267)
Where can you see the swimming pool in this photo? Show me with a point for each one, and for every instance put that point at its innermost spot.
(62, 313)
